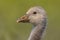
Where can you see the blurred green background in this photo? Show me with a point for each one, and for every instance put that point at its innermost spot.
(10, 10)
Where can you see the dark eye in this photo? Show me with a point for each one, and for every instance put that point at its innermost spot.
(34, 12)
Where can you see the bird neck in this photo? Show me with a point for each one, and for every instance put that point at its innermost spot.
(36, 33)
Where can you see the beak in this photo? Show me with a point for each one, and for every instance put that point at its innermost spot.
(23, 19)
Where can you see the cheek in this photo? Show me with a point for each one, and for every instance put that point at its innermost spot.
(34, 19)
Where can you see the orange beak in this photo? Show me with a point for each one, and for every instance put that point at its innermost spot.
(23, 19)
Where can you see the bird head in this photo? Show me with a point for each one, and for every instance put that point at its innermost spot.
(34, 15)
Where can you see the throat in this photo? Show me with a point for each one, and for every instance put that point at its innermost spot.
(37, 32)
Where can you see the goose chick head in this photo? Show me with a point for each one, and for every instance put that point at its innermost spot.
(35, 15)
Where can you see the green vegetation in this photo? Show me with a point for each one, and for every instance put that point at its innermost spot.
(10, 10)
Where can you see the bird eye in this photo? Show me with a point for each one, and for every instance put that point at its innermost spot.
(34, 12)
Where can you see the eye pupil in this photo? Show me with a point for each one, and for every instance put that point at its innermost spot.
(34, 12)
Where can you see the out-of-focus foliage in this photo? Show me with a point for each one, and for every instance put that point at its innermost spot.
(10, 10)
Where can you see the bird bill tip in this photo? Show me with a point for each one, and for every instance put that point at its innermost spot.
(18, 21)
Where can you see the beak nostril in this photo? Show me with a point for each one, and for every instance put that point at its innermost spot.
(22, 17)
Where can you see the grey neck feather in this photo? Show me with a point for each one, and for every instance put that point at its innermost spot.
(37, 31)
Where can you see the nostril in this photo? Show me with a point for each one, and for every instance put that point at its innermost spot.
(24, 17)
